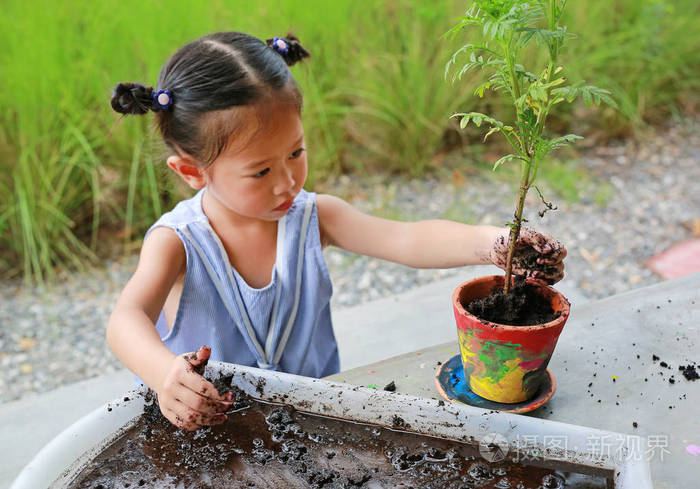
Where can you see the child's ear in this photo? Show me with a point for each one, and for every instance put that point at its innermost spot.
(188, 170)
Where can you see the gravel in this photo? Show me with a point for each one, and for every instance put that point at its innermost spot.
(636, 200)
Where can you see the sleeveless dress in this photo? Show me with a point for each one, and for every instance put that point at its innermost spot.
(284, 326)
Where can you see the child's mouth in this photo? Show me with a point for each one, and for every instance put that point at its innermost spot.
(284, 205)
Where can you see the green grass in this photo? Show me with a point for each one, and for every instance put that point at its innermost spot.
(73, 180)
(561, 178)
(567, 180)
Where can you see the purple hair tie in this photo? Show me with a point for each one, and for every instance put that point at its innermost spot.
(280, 45)
(163, 99)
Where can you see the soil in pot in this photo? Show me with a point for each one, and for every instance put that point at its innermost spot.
(521, 306)
(265, 445)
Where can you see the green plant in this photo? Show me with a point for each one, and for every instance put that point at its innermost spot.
(508, 27)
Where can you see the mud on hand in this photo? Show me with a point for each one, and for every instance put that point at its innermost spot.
(187, 399)
(536, 255)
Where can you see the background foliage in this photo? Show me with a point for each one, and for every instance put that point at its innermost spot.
(73, 180)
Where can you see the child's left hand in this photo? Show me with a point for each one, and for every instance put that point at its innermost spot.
(536, 255)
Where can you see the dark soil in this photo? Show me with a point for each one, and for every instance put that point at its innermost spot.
(522, 306)
(265, 445)
(690, 372)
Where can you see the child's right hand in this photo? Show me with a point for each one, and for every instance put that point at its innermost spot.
(187, 399)
(546, 264)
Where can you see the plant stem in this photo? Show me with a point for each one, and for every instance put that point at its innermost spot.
(517, 222)
(515, 90)
(525, 169)
(525, 178)
(553, 55)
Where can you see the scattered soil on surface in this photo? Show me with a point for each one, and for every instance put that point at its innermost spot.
(265, 445)
(690, 372)
(522, 306)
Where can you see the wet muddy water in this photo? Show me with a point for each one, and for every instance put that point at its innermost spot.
(266, 445)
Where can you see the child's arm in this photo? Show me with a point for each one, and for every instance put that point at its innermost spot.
(184, 397)
(435, 243)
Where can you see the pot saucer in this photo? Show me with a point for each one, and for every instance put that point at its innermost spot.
(453, 386)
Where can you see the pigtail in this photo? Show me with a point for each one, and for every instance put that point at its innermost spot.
(132, 98)
(215, 73)
(289, 48)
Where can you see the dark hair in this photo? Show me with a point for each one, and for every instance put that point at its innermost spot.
(208, 76)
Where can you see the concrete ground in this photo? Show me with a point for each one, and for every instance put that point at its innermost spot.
(617, 368)
(366, 333)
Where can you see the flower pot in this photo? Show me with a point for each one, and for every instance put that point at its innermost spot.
(505, 363)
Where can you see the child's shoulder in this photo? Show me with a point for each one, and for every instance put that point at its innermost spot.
(162, 253)
(185, 212)
(329, 205)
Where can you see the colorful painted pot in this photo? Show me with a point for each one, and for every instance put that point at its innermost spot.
(507, 363)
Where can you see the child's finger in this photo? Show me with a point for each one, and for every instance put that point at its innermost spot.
(554, 258)
(201, 403)
(541, 243)
(193, 380)
(534, 280)
(199, 359)
(188, 419)
(551, 275)
(202, 356)
(202, 387)
(177, 417)
(198, 419)
(552, 250)
(558, 274)
(198, 393)
(561, 251)
(557, 254)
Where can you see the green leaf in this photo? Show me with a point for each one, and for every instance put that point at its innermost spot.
(556, 82)
(590, 94)
(463, 22)
(468, 48)
(605, 97)
(587, 97)
(481, 88)
(539, 93)
(491, 131)
(562, 141)
(506, 158)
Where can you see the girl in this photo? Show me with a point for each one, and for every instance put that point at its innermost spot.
(239, 266)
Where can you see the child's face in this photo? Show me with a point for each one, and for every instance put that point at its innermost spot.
(260, 176)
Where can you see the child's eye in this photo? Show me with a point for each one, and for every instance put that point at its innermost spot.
(297, 153)
(262, 173)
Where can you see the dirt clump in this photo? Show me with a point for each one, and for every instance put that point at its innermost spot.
(522, 306)
(689, 371)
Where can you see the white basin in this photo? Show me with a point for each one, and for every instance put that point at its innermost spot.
(63, 458)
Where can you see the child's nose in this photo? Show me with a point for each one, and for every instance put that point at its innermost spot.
(285, 181)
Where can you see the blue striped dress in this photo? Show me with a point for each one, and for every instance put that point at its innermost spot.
(284, 326)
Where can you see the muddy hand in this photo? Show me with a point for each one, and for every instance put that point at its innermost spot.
(536, 255)
(199, 359)
(187, 399)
